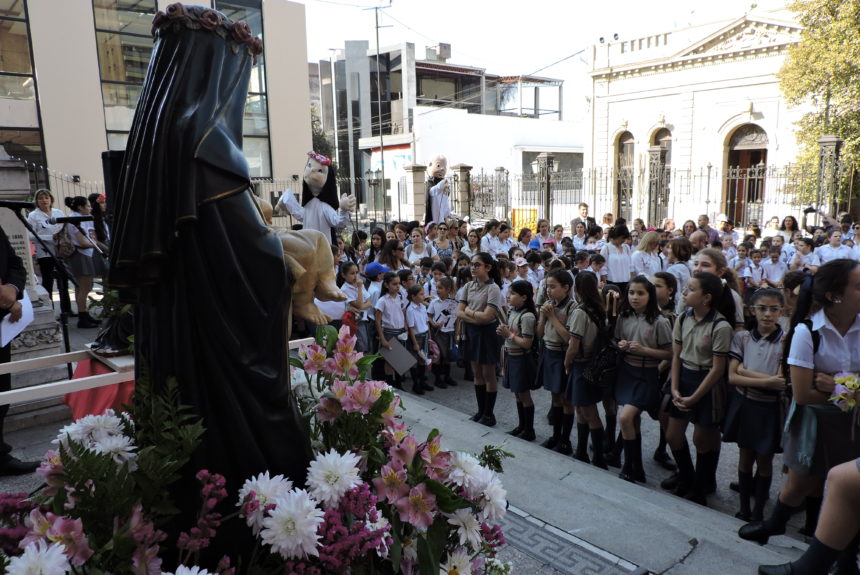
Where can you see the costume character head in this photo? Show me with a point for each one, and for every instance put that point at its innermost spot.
(319, 180)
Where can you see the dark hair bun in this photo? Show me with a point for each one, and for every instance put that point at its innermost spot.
(69, 202)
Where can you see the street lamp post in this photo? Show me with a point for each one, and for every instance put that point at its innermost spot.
(373, 178)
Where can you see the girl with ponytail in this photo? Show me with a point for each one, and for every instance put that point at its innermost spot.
(702, 338)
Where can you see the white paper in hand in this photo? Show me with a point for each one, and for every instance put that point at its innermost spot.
(9, 330)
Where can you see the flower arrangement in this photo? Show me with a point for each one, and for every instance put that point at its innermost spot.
(377, 498)
(846, 393)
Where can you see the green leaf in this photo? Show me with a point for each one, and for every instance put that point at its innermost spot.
(430, 547)
(296, 362)
(432, 435)
(446, 500)
(326, 336)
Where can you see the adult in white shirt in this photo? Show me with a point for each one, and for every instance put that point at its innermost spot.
(490, 240)
(419, 248)
(617, 253)
(38, 218)
(83, 238)
(645, 260)
(474, 244)
(834, 249)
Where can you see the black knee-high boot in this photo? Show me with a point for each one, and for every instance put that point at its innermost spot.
(610, 444)
(627, 468)
(638, 466)
(489, 418)
(398, 380)
(773, 525)
(521, 420)
(813, 510)
(555, 413)
(745, 491)
(846, 564)
(762, 493)
(417, 388)
(661, 456)
(597, 444)
(564, 447)
(713, 462)
(582, 443)
(422, 375)
(481, 398)
(686, 471)
(704, 464)
(529, 432)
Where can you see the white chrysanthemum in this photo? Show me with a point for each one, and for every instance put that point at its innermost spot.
(495, 500)
(40, 559)
(478, 481)
(291, 527)
(72, 431)
(458, 562)
(119, 447)
(183, 570)
(462, 468)
(331, 475)
(468, 527)
(266, 490)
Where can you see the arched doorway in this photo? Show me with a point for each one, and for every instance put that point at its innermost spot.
(745, 175)
(659, 176)
(624, 164)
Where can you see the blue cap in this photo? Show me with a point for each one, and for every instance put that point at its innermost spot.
(373, 269)
(534, 244)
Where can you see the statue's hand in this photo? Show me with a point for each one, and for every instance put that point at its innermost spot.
(347, 202)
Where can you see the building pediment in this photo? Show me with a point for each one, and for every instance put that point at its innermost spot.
(743, 35)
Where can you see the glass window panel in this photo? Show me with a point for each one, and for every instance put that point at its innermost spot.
(147, 6)
(123, 21)
(12, 8)
(17, 88)
(256, 121)
(117, 140)
(14, 47)
(120, 101)
(24, 144)
(248, 10)
(257, 154)
(258, 76)
(123, 58)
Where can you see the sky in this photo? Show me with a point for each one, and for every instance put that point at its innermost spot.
(507, 37)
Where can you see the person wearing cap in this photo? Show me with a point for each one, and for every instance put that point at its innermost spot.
(374, 272)
(534, 244)
(727, 226)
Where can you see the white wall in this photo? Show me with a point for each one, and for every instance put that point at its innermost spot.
(67, 72)
(489, 142)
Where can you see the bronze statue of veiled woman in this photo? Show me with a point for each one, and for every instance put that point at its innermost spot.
(190, 247)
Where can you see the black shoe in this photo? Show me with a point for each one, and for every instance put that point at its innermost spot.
(599, 462)
(450, 382)
(682, 489)
(697, 496)
(488, 420)
(612, 459)
(626, 476)
(87, 323)
(477, 416)
(441, 384)
(528, 435)
(735, 486)
(417, 389)
(427, 387)
(14, 466)
(745, 517)
(756, 532)
(516, 431)
(550, 443)
(671, 482)
(665, 460)
(564, 447)
(784, 569)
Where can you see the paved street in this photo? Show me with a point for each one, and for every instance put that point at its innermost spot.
(566, 517)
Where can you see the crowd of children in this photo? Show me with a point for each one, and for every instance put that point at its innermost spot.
(690, 329)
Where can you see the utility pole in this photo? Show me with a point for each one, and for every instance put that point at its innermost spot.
(379, 112)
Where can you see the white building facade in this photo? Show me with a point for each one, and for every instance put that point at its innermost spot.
(693, 122)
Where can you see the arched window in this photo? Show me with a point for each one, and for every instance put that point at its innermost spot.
(745, 175)
(624, 168)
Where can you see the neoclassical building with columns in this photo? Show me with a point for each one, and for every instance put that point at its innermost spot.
(692, 121)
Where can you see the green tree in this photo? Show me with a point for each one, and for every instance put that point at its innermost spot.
(321, 143)
(822, 72)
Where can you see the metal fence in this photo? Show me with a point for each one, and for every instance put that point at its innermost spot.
(62, 186)
(749, 196)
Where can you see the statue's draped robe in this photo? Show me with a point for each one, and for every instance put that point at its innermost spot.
(207, 275)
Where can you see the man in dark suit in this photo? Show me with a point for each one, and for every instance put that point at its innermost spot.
(584, 218)
(13, 276)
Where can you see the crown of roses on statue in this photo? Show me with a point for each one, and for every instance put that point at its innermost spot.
(199, 17)
(324, 160)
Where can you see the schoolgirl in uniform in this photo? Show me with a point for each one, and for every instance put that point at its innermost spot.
(713, 261)
(480, 307)
(617, 253)
(831, 301)
(702, 338)
(390, 320)
(553, 317)
(416, 323)
(753, 420)
(442, 315)
(645, 337)
(350, 283)
(520, 367)
(584, 324)
(666, 288)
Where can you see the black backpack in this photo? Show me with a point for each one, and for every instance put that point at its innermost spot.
(601, 371)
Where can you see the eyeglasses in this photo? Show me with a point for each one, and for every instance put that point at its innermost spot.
(475, 264)
(442, 229)
(766, 308)
(399, 249)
